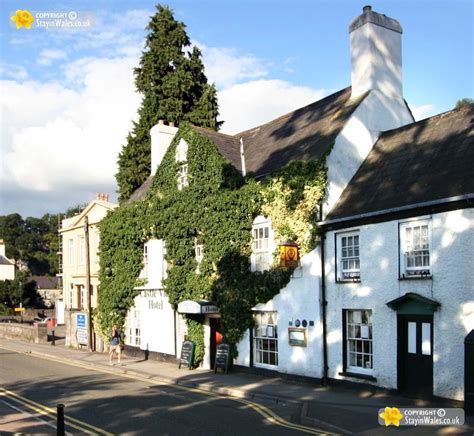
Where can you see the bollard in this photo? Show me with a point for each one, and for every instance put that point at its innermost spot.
(54, 339)
(60, 420)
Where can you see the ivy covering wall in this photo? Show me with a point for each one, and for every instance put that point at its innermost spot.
(217, 209)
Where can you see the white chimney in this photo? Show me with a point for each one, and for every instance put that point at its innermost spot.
(376, 54)
(161, 137)
(2, 248)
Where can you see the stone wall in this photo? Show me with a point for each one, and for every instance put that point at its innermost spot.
(24, 332)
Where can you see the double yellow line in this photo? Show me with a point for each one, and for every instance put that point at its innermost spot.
(51, 413)
(267, 413)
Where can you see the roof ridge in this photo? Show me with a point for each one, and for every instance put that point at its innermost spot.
(341, 91)
(213, 131)
(426, 120)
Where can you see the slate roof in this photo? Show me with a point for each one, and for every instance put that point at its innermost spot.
(5, 261)
(303, 134)
(45, 282)
(425, 161)
(140, 192)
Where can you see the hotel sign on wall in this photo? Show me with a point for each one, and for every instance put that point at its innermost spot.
(197, 307)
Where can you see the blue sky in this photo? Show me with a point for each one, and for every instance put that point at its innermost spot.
(68, 97)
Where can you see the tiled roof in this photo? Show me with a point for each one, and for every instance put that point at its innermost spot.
(45, 282)
(425, 161)
(5, 261)
(303, 134)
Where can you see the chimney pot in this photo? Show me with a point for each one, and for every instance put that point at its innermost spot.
(367, 8)
(171, 123)
(161, 122)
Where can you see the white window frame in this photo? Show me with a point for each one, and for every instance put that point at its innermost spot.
(407, 250)
(265, 339)
(181, 158)
(183, 180)
(263, 245)
(355, 334)
(71, 295)
(198, 253)
(344, 274)
(132, 325)
(70, 251)
(144, 271)
(81, 250)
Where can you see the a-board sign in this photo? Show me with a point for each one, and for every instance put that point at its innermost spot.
(187, 354)
(222, 357)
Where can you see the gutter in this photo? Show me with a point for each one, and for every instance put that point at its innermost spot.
(466, 197)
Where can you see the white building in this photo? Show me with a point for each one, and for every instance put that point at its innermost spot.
(7, 267)
(371, 281)
(74, 232)
(399, 260)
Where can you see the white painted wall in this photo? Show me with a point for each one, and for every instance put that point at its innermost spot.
(7, 272)
(452, 263)
(157, 320)
(300, 299)
(161, 137)
(375, 114)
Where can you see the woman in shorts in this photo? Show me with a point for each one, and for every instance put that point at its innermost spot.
(115, 344)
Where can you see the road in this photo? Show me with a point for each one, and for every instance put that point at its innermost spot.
(99, 402)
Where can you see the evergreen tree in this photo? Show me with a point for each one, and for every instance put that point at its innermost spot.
(171, 79)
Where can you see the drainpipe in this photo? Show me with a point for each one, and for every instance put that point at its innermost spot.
(323, 307)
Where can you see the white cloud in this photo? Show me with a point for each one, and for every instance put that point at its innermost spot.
(422, 111)
(59, 139)
(48, 56)
(253, 103)
(227, 66)
(10, 71)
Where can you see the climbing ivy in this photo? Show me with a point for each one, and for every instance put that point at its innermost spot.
(217, 210)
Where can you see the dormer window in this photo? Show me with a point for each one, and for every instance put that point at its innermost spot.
(181, 158)
(183, 177)
(199, 254)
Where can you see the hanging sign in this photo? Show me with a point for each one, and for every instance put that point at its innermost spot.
(289, 255)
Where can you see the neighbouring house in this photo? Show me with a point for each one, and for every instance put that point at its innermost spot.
(399, 258)
(48, 289)
(74, 232)
(387, 293)
(7, 266)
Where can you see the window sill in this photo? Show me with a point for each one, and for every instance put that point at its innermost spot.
(347, 280)
(356, 375)
(408, 278)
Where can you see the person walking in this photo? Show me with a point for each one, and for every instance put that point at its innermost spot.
(114, 347)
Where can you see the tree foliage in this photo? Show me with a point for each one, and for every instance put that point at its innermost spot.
(463, 102)
(34, 242)
(217, 209)
(171, 79)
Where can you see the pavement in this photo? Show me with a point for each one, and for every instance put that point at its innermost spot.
(336, 409)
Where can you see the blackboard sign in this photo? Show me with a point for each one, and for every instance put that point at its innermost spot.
(222, 357)
(187, 354)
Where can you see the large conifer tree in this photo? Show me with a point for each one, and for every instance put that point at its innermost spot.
(174, 87)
